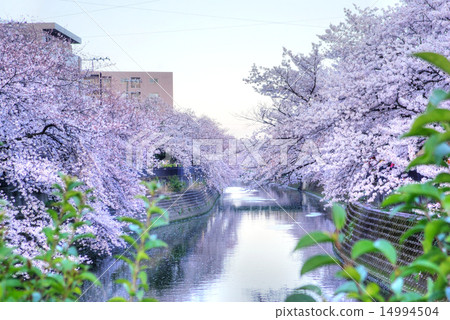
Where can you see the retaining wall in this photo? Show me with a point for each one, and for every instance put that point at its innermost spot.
(190, 203)
(364, 222)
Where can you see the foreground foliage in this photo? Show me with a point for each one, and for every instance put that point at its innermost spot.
(431, 199)
(155, 217)
(58, 273)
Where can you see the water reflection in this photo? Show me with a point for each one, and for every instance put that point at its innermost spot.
(240, 251)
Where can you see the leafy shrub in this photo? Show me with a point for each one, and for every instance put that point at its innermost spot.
(57, 274)
(169, 165)
(175, 184)
(142, 242)
(431, 199)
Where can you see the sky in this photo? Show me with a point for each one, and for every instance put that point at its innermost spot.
(209, 45)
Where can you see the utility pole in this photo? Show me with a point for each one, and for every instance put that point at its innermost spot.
(96, 59)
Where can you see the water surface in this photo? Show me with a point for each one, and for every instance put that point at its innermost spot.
(241, 251)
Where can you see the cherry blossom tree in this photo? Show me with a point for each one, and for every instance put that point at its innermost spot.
(52, 120)
(368, 91)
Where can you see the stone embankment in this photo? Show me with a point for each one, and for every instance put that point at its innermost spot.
(364, 222)
(189, 204)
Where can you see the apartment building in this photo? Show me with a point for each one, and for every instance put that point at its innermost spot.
(50, 30)
(136, 85)
(131, 85)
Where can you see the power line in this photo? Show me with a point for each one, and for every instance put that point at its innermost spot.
(192, 29)
(132, 6)
(109, 7)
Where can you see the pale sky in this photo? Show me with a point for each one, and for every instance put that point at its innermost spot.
(209, 45)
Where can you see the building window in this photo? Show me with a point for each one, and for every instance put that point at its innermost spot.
(135, 82)
(153, 80)
(106, 81)
(135, 95)
(93, 79)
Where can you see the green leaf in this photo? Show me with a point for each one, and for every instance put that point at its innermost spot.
(83, 236)
(149, 300)
(154, 243)
(316, 262)
(159, 221)
(311, 287)
(436, 59)
(125, 283)
(349, 286)
(131, 221)
(130, 240)
(397, 286)
(145, 199)
(441, 151)
(339, 216)
(156, 210)
(366, 246)
(362, 273)
(357, 274)
(430, 116)
(425, 189)
(141, 255)
(117, 299)
(442, 178)
(300, 297)
(123, 258)
(313, 238)
(387, 249)
(438, 96)
(135, 228)
(372, 290)
(395, 198)
(362, 247)
(408, 233)
(411, 297)
(89, 277)
(53, 214)
(143, 277)
(36, 296)
(74, 184)
(420, 266)
(432, 229)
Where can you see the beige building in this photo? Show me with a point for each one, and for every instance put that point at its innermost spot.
(48, 30)
(55, 30)
(132, 85)
(136, 85)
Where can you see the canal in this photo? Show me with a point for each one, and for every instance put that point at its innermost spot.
(240, 251)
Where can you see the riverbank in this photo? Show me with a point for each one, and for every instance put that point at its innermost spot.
(368, 222)
(191, 203)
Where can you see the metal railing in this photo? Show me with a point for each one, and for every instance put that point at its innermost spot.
(364, 222)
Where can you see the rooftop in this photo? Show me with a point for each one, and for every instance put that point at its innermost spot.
(56, 30)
